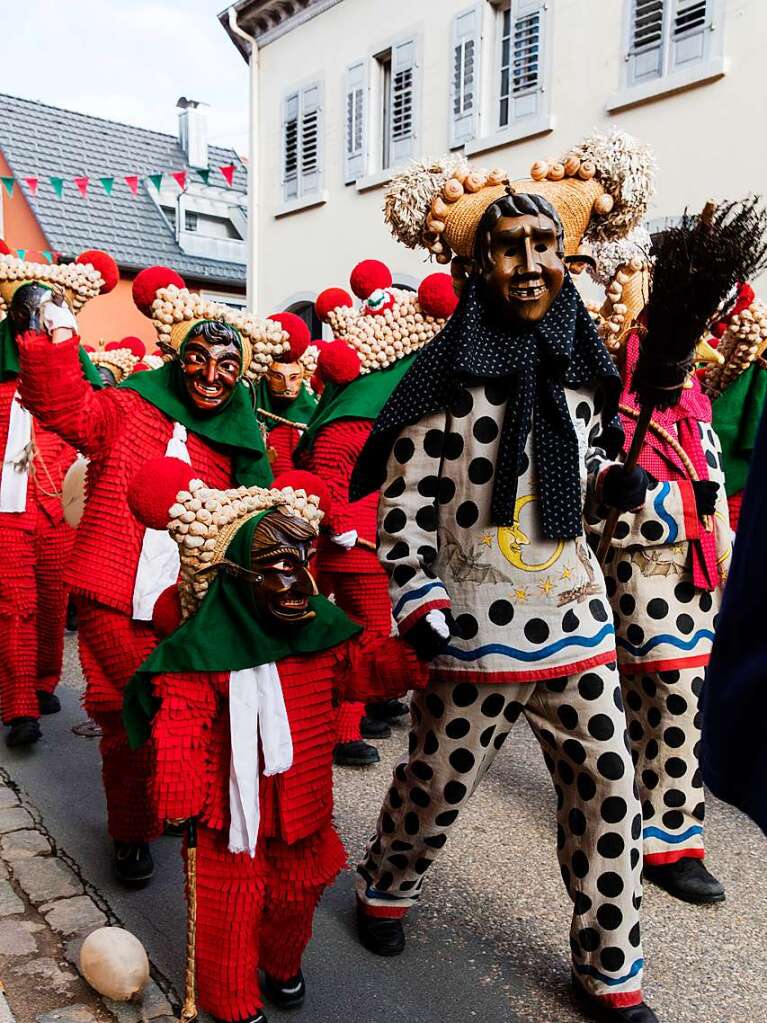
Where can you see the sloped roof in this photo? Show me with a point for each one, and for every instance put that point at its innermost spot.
(41, 140)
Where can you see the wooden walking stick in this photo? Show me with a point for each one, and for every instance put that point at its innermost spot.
(695, 267)
(189, 1009)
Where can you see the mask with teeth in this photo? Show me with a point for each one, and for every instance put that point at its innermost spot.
(284, 380)
(211, 365)
(279, 577)
(520, 256)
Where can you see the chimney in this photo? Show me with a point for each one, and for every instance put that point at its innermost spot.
(193, 132)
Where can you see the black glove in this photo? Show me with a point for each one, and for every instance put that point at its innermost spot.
(706, 492)
(425, 641)
(625, 489)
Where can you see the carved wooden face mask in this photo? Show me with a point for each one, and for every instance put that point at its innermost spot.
(25, 311)
(284, 380)
(279, 576)
(211, 365)
(522, 266)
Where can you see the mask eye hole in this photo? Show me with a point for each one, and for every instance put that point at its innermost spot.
(541, 247)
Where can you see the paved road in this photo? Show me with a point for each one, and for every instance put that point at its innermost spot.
(490, 941)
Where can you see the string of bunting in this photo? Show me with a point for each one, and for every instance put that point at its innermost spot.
(83, 182)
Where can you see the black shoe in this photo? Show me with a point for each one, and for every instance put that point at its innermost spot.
(23, 732)
(176, 830)
(387, 710)
(48, 703)
(604, 1013)
(372, 729)
(355, 754)
(687, 879)
(285, 994)
(71, 625)
(382, 935)
(132, 863)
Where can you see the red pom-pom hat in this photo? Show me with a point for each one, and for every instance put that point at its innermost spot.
(105, 265)
(148, 282)
(330, 299)
(298, 333)
(338, 363)
(309, 482)
(166, 614)
(371, 280)
(437, 295)
(153, 490)
(134, 345)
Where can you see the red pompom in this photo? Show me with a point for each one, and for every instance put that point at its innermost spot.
(140, 367)
(166, 614)
(719, 329)
(331, 298)
(153, 490)
(4, 250)
(368, 276)
(298, 334)
(88, 348)
(299, 479)
(338, 363)
(148, 283)
(746, 296)
(437, 296)
(134, 344)
(105, 265)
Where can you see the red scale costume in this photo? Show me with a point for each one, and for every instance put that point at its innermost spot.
(36, 541)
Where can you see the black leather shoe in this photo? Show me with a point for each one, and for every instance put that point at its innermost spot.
(23, 732)
(355, 754)
(285, 994)
(71, 625)
(387, 710)
(132, 863)
(48, 703)
(370, 728)
(601, 1012)
(687, 879)
(382, 935)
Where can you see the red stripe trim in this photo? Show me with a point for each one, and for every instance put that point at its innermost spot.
(659, 859)
(665, 664)
(421, 611)
(622, 1000)
(521, 677)
(383, 912)
(691, 520)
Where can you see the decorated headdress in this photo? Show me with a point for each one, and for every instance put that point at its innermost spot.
(93, 273)
(742, 338)
(600, 189)
(161, 294)
(622, 268)
(121, 358)
(204, 521)
(390, 324)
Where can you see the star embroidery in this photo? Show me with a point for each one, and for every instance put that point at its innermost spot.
(546, 586)
(521, 594)
(486, 540)
(567, 572)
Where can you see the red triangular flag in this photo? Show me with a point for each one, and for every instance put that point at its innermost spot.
(131, 180)
(180, 178)
(228, 172)
(82, 186)
(32, 184)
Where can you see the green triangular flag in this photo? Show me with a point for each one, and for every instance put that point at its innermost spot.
(22, 253)
(107, 184)
(9, 183)
(156, 180)
(48, 255)
(205, 175)
(57, 185)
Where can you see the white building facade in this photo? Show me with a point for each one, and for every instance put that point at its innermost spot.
(347, 90)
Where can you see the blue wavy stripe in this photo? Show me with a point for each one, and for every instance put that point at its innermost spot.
(664, 836)
(589, 971)
(416, 595)
(660, 511)
(666, 637)
(530, 655)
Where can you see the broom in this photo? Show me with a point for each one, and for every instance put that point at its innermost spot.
(189, 1009)
(694, 268)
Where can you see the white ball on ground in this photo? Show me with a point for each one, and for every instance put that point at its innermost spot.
(114, 963)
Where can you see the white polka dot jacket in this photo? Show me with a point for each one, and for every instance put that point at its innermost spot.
(662, 620)
(526, 607)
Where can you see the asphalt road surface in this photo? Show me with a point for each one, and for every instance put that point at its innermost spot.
(490, 940)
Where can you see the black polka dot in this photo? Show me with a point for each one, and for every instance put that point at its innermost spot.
(699, 812)
(434, 705)
(485, 429)
(387, 823)
(457, 728)
(497, 391)
(394, 520)
(635, 936)
(675, 767)
(398, 860)
(454, 792)
(464, 694)
(634, 700)
(480, 471)
(556, 685)
(462, 760)
(673, 819)
(576, 821)
(570, 622)
(500, 612)
(649, 686)
(402, 574)
(462, 405)
(590, 686)
(574, 751)
(412, 823)
(566, 772)
(614, 809)
(446, 818)
(611, 586)
(399, 846)
(395, 799)
(404, 449)
(651, 530)
(587, 788)
(398, 551)
(674, 798)
(598, 610)
(523, 465)
(453, 446)
(430, 744)
(582, 903)
(612, 959)
(426, 518)
(622, 529)
(636, 827)
(396, 488)
(419, 796)
(536, 630)
(610, 845)
(492, 705)
(487, 735)
(611, 766)
(432, 443)
(684, 592)
(428, 486)
(467, 626)
(650, 779)
(685, 624)
(512, 711)
(609, 917)
(384, 882)
(568, 716)
(601, 727)
(674, 737)
(583, 411)
(422, 770)
(589, 939)
(435, 841)
(446, 490)
(421, 865)
(627, 604)
(580, 863)
(610, 884)
(624, 571)
(466, 514)
(657, 608)
(634, 634)
(705, 601)
(427, 554)
(636, 732)
(653, 717)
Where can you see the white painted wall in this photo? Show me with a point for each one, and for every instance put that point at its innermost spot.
(710, 140)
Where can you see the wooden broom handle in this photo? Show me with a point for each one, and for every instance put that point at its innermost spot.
(189, 1009)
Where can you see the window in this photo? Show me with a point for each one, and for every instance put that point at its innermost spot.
(667, 36)
(355, 162)
(190, 221)
(302, 142)
(397, 89)
(238, 302)
(170, 215)
(464, 84)
(521, 60)
(308, 314)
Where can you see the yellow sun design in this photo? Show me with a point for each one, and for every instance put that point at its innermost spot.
(521, 594)
(567, 572)
(546, 586)
(486, 540)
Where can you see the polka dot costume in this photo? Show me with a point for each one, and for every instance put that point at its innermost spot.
(457, 731)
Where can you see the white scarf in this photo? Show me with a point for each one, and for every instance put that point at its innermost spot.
(14, 479)
(159, 562)
(256, 708)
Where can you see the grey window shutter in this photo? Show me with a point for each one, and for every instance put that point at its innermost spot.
(690, 32)
(311, 139)
(464, 86)
(521, 61)
(403, 129)
(356, 128)
(290, 146)
(646, 40)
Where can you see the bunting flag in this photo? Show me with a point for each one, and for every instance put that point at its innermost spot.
(82, 186)
(180, 178)
(107, 184)
(156, 180)
(32, 184)
(58, 186)
(48, 255)
(22, 253)
(228, 171)
(8, 184)
(204, 176)
(131, 180)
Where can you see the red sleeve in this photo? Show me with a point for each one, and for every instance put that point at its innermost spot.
(53, 388)
(180, 740)
(334, 455)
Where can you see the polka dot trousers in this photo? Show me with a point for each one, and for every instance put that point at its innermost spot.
(579, 721)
